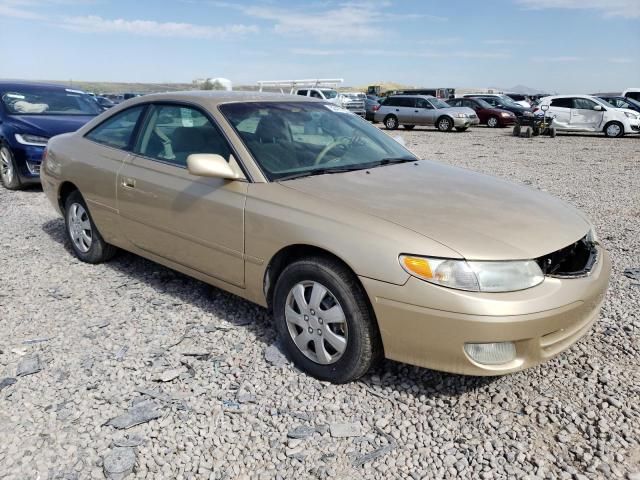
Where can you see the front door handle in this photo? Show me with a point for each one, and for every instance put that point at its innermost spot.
(129, 183)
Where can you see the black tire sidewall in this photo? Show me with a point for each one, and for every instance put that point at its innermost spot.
(395, 122)
(99, 250)
(440, 122)
(614, 136)
(359, 356)
(15, 184)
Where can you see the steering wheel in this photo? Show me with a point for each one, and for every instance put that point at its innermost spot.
(340, 141)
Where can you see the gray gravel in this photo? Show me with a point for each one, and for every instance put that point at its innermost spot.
(192, 378)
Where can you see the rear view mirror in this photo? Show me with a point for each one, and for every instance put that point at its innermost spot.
(210, 165)
(544, 108)
(598, 108)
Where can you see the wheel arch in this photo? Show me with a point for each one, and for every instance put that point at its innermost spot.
(66, 188)
(444, 115)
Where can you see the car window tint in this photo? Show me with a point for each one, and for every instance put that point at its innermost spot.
(561, 102)
(315, 94)
(583, 104)
(467, 103)
(302, 92)
(634, 95)
(422, 103)
(174, 132)
(407, 102)
(117, 130)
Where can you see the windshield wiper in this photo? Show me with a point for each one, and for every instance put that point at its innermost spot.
(321, 171)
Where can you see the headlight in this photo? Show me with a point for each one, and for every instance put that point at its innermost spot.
(632, 115)
(506, 114)
(462, 115)
(26, 139)
(475, 276)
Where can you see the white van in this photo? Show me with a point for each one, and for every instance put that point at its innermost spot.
(632, 93)
(585, 113)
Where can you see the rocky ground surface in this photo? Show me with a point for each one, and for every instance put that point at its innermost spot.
(131, 370)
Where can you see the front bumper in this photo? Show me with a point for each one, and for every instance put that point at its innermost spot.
(462, 122)
(426, 325)
(28, 159)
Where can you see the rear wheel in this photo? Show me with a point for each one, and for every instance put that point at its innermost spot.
(516, 130)
(409, 127)
(552, 132)
(614, 129)
(86, 242)
(8, 171)
(391, 122)
(493, 122)
(324, 320)
(445, 124)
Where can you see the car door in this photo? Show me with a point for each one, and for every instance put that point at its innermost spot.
(560, 110)
(194, 221)
(583, 115)
(403, 108)
(425, 112)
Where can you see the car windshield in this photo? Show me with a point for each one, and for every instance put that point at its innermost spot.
(508, 101)
(329, 94)
(295, 139)
(436, 102)
(482, 103)
(42, 101)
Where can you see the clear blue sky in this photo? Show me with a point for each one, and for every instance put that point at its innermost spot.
(556, 45)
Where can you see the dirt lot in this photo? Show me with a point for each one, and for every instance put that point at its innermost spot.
(133, 336)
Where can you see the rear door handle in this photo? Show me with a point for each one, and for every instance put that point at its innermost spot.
(129, 183)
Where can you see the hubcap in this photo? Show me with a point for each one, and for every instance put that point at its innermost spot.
(6, 167)
(444, 124)
(316, 322)
(391, 123)
(492, 122)
(613, 130)
(80, 227)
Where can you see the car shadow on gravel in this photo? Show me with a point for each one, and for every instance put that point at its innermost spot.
(176, 288)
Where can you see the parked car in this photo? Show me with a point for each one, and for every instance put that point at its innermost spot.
(412, 110)
(520, 99)
(632, 93)
(371, 104)
(104, 103)
(621, 102)
(329, 94)
(500, 101)
(354, 102)
(488, 115)
(360, 249)
(585, 113)
(30, 114)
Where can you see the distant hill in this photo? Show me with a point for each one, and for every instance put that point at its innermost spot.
(122, 87)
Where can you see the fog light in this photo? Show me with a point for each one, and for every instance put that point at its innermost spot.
(491, 353)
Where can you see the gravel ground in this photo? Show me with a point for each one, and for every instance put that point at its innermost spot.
(140, 368)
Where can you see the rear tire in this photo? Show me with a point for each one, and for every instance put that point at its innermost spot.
(444, 124)
(83, 235)
(8, 171)
(298, 307)
(552, 132)
(517, 129)
(614, 130)
(528, 133)
(409, 127)
(493, 122)
(391, 122)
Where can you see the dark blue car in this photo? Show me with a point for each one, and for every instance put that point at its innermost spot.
(30, 114)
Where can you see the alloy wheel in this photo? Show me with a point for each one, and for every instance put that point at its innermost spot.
(316, 322)
(6, 166)
(80, 227)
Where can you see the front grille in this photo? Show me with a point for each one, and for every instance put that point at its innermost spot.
(576, 260)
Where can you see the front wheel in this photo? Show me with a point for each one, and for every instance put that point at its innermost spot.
(552, 132)
(614, 129)
(445, 124)
(324, 320)
(493, 122)
(391, 122)
(86, 242)
(8, 172)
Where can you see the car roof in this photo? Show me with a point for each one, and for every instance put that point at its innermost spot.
(215, 98)
(412, 95)
(9, 84)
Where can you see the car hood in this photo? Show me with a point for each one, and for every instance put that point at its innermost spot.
(478, 216)
(454, 110)
(51, 125)
(498, 111)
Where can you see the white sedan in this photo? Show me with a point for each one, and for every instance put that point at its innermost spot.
(586, 113)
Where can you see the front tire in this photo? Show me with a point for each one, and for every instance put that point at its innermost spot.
(614, 130)
(391, 122)
(324, 320)
(445, 124)
(493, 122)
(8, 171)
(85, 239)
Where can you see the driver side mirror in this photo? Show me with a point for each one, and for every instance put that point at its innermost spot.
(211, 165)
(598, 108)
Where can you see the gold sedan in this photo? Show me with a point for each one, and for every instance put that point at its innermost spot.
(360, 249)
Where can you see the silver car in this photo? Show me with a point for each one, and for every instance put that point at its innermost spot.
(412, 110)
